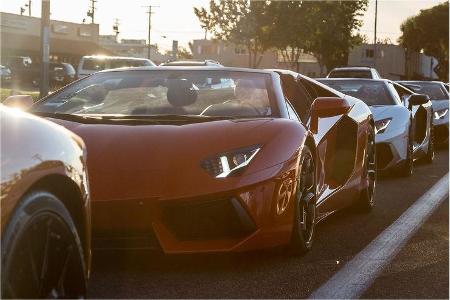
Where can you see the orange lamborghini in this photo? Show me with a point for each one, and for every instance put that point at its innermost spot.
(205, 159)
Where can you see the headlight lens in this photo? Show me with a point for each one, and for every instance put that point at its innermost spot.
(381, 125)
(440, 114)
(228, 163)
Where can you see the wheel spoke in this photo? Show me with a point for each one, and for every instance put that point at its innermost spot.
(45, 258)
(33, 265)
(62, 275)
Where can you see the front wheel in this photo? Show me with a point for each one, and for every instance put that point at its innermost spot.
(366, 201)
(42, 256)
(429, 157)
(305, 205)
(407, 167)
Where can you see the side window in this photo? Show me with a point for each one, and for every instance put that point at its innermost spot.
(291, 112)
(402, 92)
(297, 95)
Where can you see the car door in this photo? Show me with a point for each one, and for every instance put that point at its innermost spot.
(421, 115)
(329, 142)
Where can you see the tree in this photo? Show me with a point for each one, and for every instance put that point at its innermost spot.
(240, 22)
(205, 18)
(290, 30)
(334, 24)
(428, 32)
(182, 53)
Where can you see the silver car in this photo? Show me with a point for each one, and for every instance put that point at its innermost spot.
(403, 121)
(438, 93)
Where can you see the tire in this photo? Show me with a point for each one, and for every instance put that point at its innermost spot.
(366, 200)
(305, 205)
(42, 256)
(407, 167)
(429, 157)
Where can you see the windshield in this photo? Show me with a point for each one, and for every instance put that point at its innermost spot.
(165, 92)
(434, 90)
(371, 92)
(350, 74)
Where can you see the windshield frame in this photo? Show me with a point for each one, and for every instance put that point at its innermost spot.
(270, 87)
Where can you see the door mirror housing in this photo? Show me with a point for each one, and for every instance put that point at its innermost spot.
(418, 99)
(325, 107)
(23, 102)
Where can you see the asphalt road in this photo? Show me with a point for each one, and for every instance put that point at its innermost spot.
(420, 270)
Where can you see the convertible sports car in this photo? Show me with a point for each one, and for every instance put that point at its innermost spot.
(438, 93)
(45, 209)
(403, 121)
(225, 167)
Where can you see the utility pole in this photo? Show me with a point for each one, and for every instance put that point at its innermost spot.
(91, 11)
(375, 36)
(45, 47)
(149, 28)
(29, 7)
(116, 27)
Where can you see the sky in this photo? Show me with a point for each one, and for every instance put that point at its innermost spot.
(175, 19)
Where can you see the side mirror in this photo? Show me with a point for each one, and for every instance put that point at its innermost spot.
(418, 99)
(325, 107)
(22, 102)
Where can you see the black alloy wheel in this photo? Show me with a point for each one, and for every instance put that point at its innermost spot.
(407, 168)
(429, 157)
(42, 255)
(305, 205)
(366, 201)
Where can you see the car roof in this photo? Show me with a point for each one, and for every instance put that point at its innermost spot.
(352, 68)
(190, 63)
(420, 81)
(354, 79)
(112, 57)
(190, 68)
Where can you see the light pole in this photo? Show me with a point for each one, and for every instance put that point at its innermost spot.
(375, 36)
(45, 47)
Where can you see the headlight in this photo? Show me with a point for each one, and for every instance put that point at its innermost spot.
(440, 114)
(231, 162)
(381, 125)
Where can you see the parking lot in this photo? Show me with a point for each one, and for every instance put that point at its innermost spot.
(420, 270)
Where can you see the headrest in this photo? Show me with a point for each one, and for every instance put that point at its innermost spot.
(181, 92)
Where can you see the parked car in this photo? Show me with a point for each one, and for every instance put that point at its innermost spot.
(92, 64)
(354, 72)
(5, 75)
(206, 171)
(439, 95)
(403, 133)
(18, 65)
(60, 74)
(45, 215)
(193, 63)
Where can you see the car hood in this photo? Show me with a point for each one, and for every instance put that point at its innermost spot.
(388, 111)
(146, 161)
(440, 104)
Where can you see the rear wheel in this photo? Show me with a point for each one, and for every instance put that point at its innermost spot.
(366, 200)
(305, 205)
(42, 255)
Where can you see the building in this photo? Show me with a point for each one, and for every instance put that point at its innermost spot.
(21, 36)
(131, 48)
(393, 62)
(230, 55)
